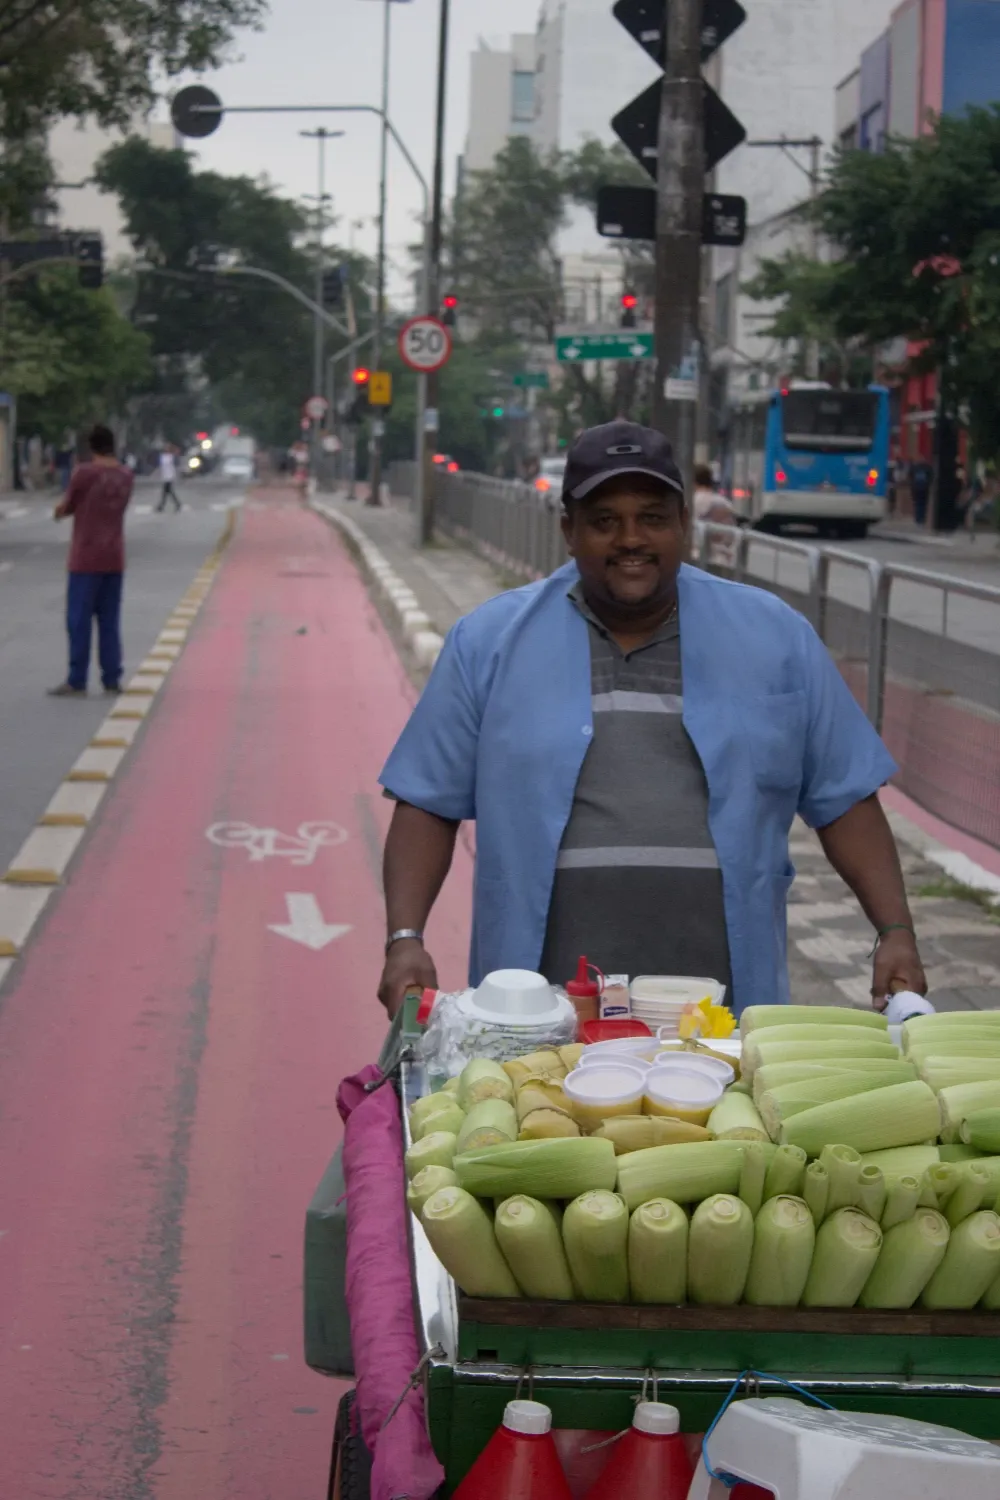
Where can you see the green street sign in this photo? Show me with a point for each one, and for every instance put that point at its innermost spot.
(537, 378)
(625, 345)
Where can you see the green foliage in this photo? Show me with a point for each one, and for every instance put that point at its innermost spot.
(69, 355)
(503, 260)
(248, 339)
(100, 57)
(916, 231)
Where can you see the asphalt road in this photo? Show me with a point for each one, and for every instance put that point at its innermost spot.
(41, 737)
(927, 607)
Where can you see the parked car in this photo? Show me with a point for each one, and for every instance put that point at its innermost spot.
(237, 466)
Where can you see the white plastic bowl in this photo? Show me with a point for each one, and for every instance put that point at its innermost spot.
(712, 1067)
(516, 994)
(629, 1048)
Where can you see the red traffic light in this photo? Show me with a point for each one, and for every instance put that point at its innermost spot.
(629, 300)
(450, 301)
(361, 376)
(201, 436)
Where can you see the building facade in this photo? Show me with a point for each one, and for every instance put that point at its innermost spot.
(935, 57)
(501, 98)
(779, 74)
(75, 149)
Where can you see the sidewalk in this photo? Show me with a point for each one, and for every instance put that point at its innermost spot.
(959, 546)
(829, 939)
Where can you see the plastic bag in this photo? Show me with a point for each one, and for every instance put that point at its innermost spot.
(452, 1038)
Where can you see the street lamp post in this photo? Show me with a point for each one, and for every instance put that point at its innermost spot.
(375, 452)
(196, 111)
(320, 135)
(431, 398)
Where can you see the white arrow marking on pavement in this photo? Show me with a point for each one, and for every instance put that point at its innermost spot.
(305, 923)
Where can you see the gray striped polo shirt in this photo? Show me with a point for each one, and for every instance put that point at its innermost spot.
(637, 887)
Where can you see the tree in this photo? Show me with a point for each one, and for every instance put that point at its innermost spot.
(503, 259)
(916, 233)
(100, 57)
(68, 354)
(248, 339)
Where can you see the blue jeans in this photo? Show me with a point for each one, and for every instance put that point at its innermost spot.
(87, 595)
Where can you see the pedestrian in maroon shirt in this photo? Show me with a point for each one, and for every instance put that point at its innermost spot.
(98, 495)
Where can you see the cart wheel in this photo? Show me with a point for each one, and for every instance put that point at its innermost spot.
(351, 1465)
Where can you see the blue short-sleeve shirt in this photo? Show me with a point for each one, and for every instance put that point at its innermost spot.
(502, 728)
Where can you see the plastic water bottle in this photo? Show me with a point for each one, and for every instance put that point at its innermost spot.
(651, 1460)
(520, 1461)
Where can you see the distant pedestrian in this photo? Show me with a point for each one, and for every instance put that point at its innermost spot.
(97, 497)
(709, 504)
(921, 479)
(168, 473)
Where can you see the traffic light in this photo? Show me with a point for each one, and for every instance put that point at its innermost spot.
(90, 261)
(333, 286)
(449, 309)
(358, 409)
(629, 304)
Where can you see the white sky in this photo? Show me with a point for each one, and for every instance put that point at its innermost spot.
(329, 52)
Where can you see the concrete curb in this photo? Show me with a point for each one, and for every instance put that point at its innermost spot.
(40, 865)
(398, 600)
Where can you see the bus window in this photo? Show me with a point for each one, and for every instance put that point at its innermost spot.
(829, 421)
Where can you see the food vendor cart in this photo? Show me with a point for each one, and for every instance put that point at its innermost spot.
(589, 1362)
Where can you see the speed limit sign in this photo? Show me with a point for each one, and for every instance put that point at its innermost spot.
(425, 344)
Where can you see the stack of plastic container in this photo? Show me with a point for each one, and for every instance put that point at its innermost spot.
(660, 999)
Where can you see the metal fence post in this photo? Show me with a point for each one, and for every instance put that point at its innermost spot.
(881, 588)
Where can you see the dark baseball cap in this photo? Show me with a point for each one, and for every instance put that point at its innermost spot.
(616, 449)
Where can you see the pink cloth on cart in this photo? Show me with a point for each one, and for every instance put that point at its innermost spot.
(380, 1294)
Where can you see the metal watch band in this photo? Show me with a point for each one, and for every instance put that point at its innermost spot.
(400, 934)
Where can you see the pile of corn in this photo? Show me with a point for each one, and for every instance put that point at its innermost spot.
(837, 1170)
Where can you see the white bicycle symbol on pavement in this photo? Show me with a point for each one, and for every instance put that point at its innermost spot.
(299, 848)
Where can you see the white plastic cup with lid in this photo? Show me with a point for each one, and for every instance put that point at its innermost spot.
(529, 1417)
(604, 1091)
(681, 1093)
(656, 1418)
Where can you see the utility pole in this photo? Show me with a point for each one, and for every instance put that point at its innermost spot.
(321, 135)
(680, 187)
(432, 391)
(814, 145)
(375, 466)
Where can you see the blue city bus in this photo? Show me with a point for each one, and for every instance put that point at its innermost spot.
(811, 454)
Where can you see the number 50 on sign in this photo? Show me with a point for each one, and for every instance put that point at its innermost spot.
(425, 344)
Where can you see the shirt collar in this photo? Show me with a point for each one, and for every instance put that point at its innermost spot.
(665, 632)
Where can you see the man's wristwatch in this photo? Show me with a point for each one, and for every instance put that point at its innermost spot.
(400, 934)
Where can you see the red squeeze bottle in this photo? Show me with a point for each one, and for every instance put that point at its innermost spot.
(520, 1461)
(650, 1460)
(585, 993)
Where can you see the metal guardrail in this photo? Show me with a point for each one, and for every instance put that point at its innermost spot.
(920, 650)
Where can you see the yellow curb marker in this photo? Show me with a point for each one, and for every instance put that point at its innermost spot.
(25, 888)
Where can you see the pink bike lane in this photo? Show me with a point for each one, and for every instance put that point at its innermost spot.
(169, 1061)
